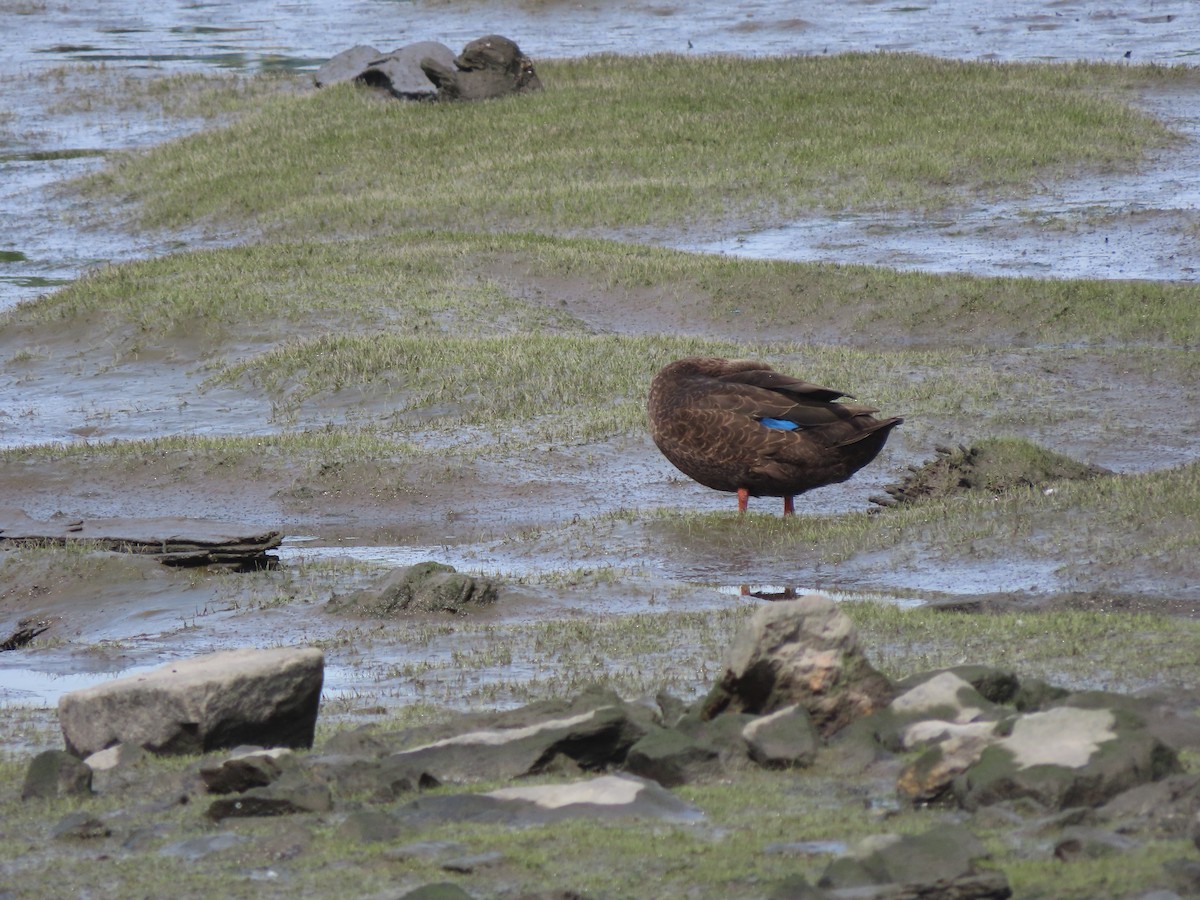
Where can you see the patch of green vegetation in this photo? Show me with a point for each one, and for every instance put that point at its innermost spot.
(423, 283)
(1143, 519)
(717, 138)
(1097, 650)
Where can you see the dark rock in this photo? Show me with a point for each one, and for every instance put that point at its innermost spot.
(289, 795)
(424, 587)
(56, 773)
(427, 850)
(1035, 695)
(440, 890)
(1169, 806)
(468, 864)
(783, 739)
(797, 887)
(1078, 842)
(371, 826)
(992, 466)
(362, 741)
(803, 652)
(672, 758)
(250, 769)
(491, 66)
(942, 862)
(80, 826)
(263, 697)
(1184, 876)
(400, 72)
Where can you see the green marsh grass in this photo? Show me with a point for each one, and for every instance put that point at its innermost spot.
(420, 282)
(1128, 519)
(717, 138)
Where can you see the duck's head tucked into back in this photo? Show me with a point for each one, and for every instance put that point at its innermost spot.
(738, 425)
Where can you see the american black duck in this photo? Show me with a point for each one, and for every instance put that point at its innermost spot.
(738, 425)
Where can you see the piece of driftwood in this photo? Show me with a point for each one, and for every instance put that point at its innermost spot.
(27, 630)
(174, 541)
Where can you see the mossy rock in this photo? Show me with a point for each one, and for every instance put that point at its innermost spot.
(994, 466)
(424, 587)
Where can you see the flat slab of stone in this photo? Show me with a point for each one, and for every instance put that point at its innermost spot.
(268, 698)
(605, 797)
(172, 540)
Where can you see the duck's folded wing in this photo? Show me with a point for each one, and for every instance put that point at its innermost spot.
(770, 380)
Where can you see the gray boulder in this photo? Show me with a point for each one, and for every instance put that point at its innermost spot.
(783, 739)
(801, 652)
(596, 730)
(941, 862)
(346, 66)
(56, 773)
(672, 758)
(263, 697)
(424, 587)
(1066, 756)
(400, 72)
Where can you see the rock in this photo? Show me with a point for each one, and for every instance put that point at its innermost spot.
(439, 890)
(346, 66)
(249, 769)
(488, 67)
(371, 826)
(1066, 756)
(939, 863)
(1169, 806)
(930, 777)
(783, 739)
(400, 72)
(423, 587)
(800, 652)
(993, 466)
(672, 758)
(595, 730)
(291, 794)
(196, 848)
(263, 697)
(117, 768)
(945, 696)
(382, 780)
(56, 773)
(80, 826)
(604, 797)
(1078, 842)
(473, 862)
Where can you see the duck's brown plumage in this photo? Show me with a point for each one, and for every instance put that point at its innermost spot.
(706, 417)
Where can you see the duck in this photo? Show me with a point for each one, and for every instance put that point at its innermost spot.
(738, 425)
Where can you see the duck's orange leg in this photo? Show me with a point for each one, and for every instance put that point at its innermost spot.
(789, 508)
(743, 499)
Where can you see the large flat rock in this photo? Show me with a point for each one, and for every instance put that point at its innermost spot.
(264, 697)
